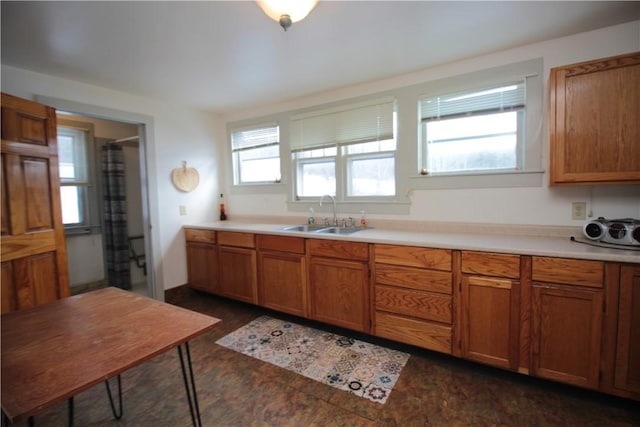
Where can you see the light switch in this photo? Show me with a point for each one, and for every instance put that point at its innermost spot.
(183, 210)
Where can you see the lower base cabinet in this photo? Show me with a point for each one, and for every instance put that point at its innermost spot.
(282, 274)
(627, 358)
(238, 272)
(202, 260)
(490, 308)
(339, 283)
(566, 320)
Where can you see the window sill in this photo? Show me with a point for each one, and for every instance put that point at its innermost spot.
(478, 180)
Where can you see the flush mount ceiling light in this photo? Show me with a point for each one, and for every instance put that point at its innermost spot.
(286, 12)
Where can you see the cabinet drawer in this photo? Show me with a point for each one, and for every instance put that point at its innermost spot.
(410, 256)
(338, 249)
(415, 332)
(232, 238)
(409, 302)
(488, 264)
(569, 271)
(197, 235)
(294, 245)
(414, 278)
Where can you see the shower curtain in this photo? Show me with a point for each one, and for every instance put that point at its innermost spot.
(115, 216)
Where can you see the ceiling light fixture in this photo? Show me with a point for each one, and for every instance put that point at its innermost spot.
(286, 12)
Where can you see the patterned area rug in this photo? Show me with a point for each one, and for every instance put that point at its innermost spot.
(364, 369)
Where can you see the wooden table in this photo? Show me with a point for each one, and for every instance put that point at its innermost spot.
(52, 352)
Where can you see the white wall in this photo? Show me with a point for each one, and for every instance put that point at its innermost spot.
(177, 133)
(539, 206)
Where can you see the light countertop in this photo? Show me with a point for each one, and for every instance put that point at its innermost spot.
(500, 242)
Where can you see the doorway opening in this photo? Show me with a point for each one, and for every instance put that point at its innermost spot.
(102, 250)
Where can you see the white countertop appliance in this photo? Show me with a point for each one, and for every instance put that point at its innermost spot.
(624, 231)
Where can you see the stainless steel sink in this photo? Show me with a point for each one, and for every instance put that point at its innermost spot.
(323, 229)
(304, 228)
(339, 230)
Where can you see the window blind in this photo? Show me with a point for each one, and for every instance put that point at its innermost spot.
(478, 101)
(255, 137)
(355, 124)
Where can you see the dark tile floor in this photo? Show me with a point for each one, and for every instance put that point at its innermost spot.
(236, 390)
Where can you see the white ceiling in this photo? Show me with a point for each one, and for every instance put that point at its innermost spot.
(228, 55)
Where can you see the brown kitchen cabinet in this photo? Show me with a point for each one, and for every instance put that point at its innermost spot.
(626, 379)
(238, 267)
(339, 283)
(202, 259)
(413, 296)
(490, 308)
(567, 319)
(594, 126)
(282, 274)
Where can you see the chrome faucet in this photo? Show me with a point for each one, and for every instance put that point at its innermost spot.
(333, 200)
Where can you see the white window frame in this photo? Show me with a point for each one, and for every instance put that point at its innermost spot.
(88, 197)
(238, 146)
(342, 160)
(529, 171)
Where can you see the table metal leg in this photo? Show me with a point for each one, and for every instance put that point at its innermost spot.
(190, 386)
(70, 411)
(117, 414)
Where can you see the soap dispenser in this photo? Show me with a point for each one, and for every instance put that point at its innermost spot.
(363, 221)
(311, 220)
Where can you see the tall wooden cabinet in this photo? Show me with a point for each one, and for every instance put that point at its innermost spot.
(339, 283)
(490, 308)
(567, 319)
(594, 126)
(34, 256)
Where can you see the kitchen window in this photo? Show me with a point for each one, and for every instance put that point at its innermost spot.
(256, 154)
(473, 131)
(74, 153)
(348, 152)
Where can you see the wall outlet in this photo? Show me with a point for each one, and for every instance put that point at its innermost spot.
(578, 210)
(183, 210)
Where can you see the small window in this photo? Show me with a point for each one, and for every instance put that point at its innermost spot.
(74, 176)
(348, 152)
(474, 131)
(256, 155)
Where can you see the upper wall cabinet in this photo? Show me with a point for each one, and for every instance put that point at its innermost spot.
(594, 125)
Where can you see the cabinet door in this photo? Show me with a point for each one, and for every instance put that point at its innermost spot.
(34, 255)
(202, 266)
(490, 320)
(238, 276)
(627, 371)
(282, 284)
(594, 124)
(339, 292)
(566, 334)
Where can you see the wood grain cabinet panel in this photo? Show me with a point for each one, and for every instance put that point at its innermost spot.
(339, 292)
(567, 334)
(627, 361)
(282, 274)
(594, 126)
(490, 308)
(413, 300)
(238, 273)
(202, 259)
